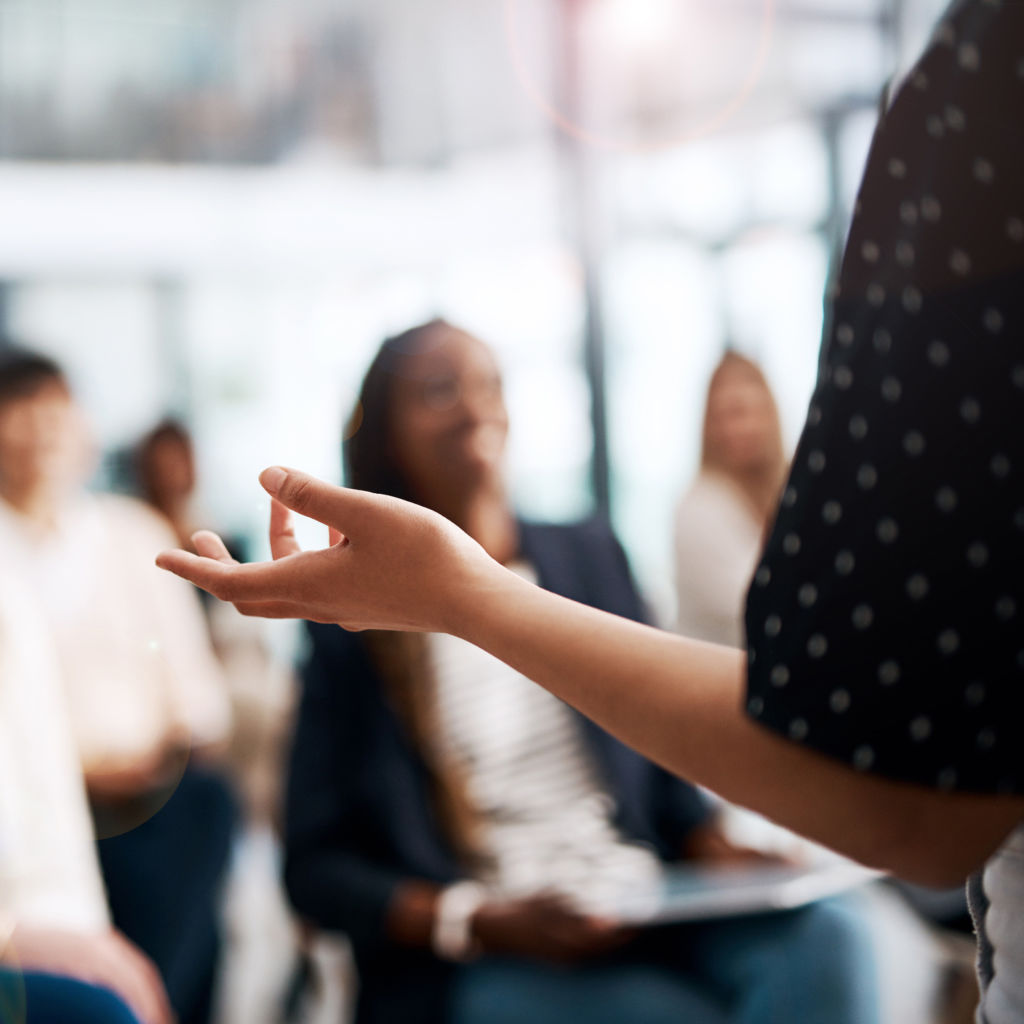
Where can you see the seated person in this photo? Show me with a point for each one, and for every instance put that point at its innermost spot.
(60, 960)
(469, 832)
(724, 516)
(144, 693)
(721, 522)
(261, 686)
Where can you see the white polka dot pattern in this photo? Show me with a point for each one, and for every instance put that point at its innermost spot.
(886, 617)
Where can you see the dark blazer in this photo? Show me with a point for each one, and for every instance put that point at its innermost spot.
(359, 814)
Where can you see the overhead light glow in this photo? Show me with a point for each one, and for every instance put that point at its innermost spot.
(638, 24)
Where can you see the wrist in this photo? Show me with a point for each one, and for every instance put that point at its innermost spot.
(410, 916)
(487, 592)
(453, 936)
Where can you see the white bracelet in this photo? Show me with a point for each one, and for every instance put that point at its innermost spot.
(452, 934)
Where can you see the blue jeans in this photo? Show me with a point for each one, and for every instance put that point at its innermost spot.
(524, 992)
(809, 966)
(164, 882)
(50, 999)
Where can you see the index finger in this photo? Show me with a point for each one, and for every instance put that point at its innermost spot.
(260, 581)
(209, 545)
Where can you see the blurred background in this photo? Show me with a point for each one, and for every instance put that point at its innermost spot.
(217, 208)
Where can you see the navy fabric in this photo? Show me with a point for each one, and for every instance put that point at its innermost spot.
(359, 817)
(34, 998)
(809, 966)
(164, 881)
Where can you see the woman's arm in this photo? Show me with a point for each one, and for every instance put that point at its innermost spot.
(679, 702)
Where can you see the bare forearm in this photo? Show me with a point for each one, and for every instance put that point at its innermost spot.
(393, 565)
(680, 702)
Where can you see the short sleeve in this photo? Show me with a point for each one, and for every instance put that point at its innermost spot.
(884, 622)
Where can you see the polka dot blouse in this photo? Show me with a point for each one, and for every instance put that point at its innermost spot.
(885, 622)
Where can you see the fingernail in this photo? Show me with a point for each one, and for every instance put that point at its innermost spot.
(272, 478)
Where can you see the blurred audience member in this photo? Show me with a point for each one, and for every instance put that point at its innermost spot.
(166, 468)
(261, 689)
(720, 528)
(60, 960)
(261, 944)
(144, 691)
(722, 519)
(471, 833)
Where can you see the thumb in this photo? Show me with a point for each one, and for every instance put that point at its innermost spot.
(309, 496)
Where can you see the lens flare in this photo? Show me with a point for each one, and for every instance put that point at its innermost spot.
(641, 27)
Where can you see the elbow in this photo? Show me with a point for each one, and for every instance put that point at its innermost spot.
(922, 868)
(928, 852)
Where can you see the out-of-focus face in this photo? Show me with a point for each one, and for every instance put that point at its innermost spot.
(449, 422)
(170, 469)
(741, 423)
(45, 444)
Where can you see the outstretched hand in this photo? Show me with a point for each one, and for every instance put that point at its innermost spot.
(390, 564)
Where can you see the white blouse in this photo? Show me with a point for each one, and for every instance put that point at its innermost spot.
(1002, 933)
(547, 820)
(717, 541)
(49, 875)
(136, 658)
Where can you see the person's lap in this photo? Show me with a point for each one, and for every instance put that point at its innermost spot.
(34, 998)
(514, 991)
(814, 965)
(163, 881)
